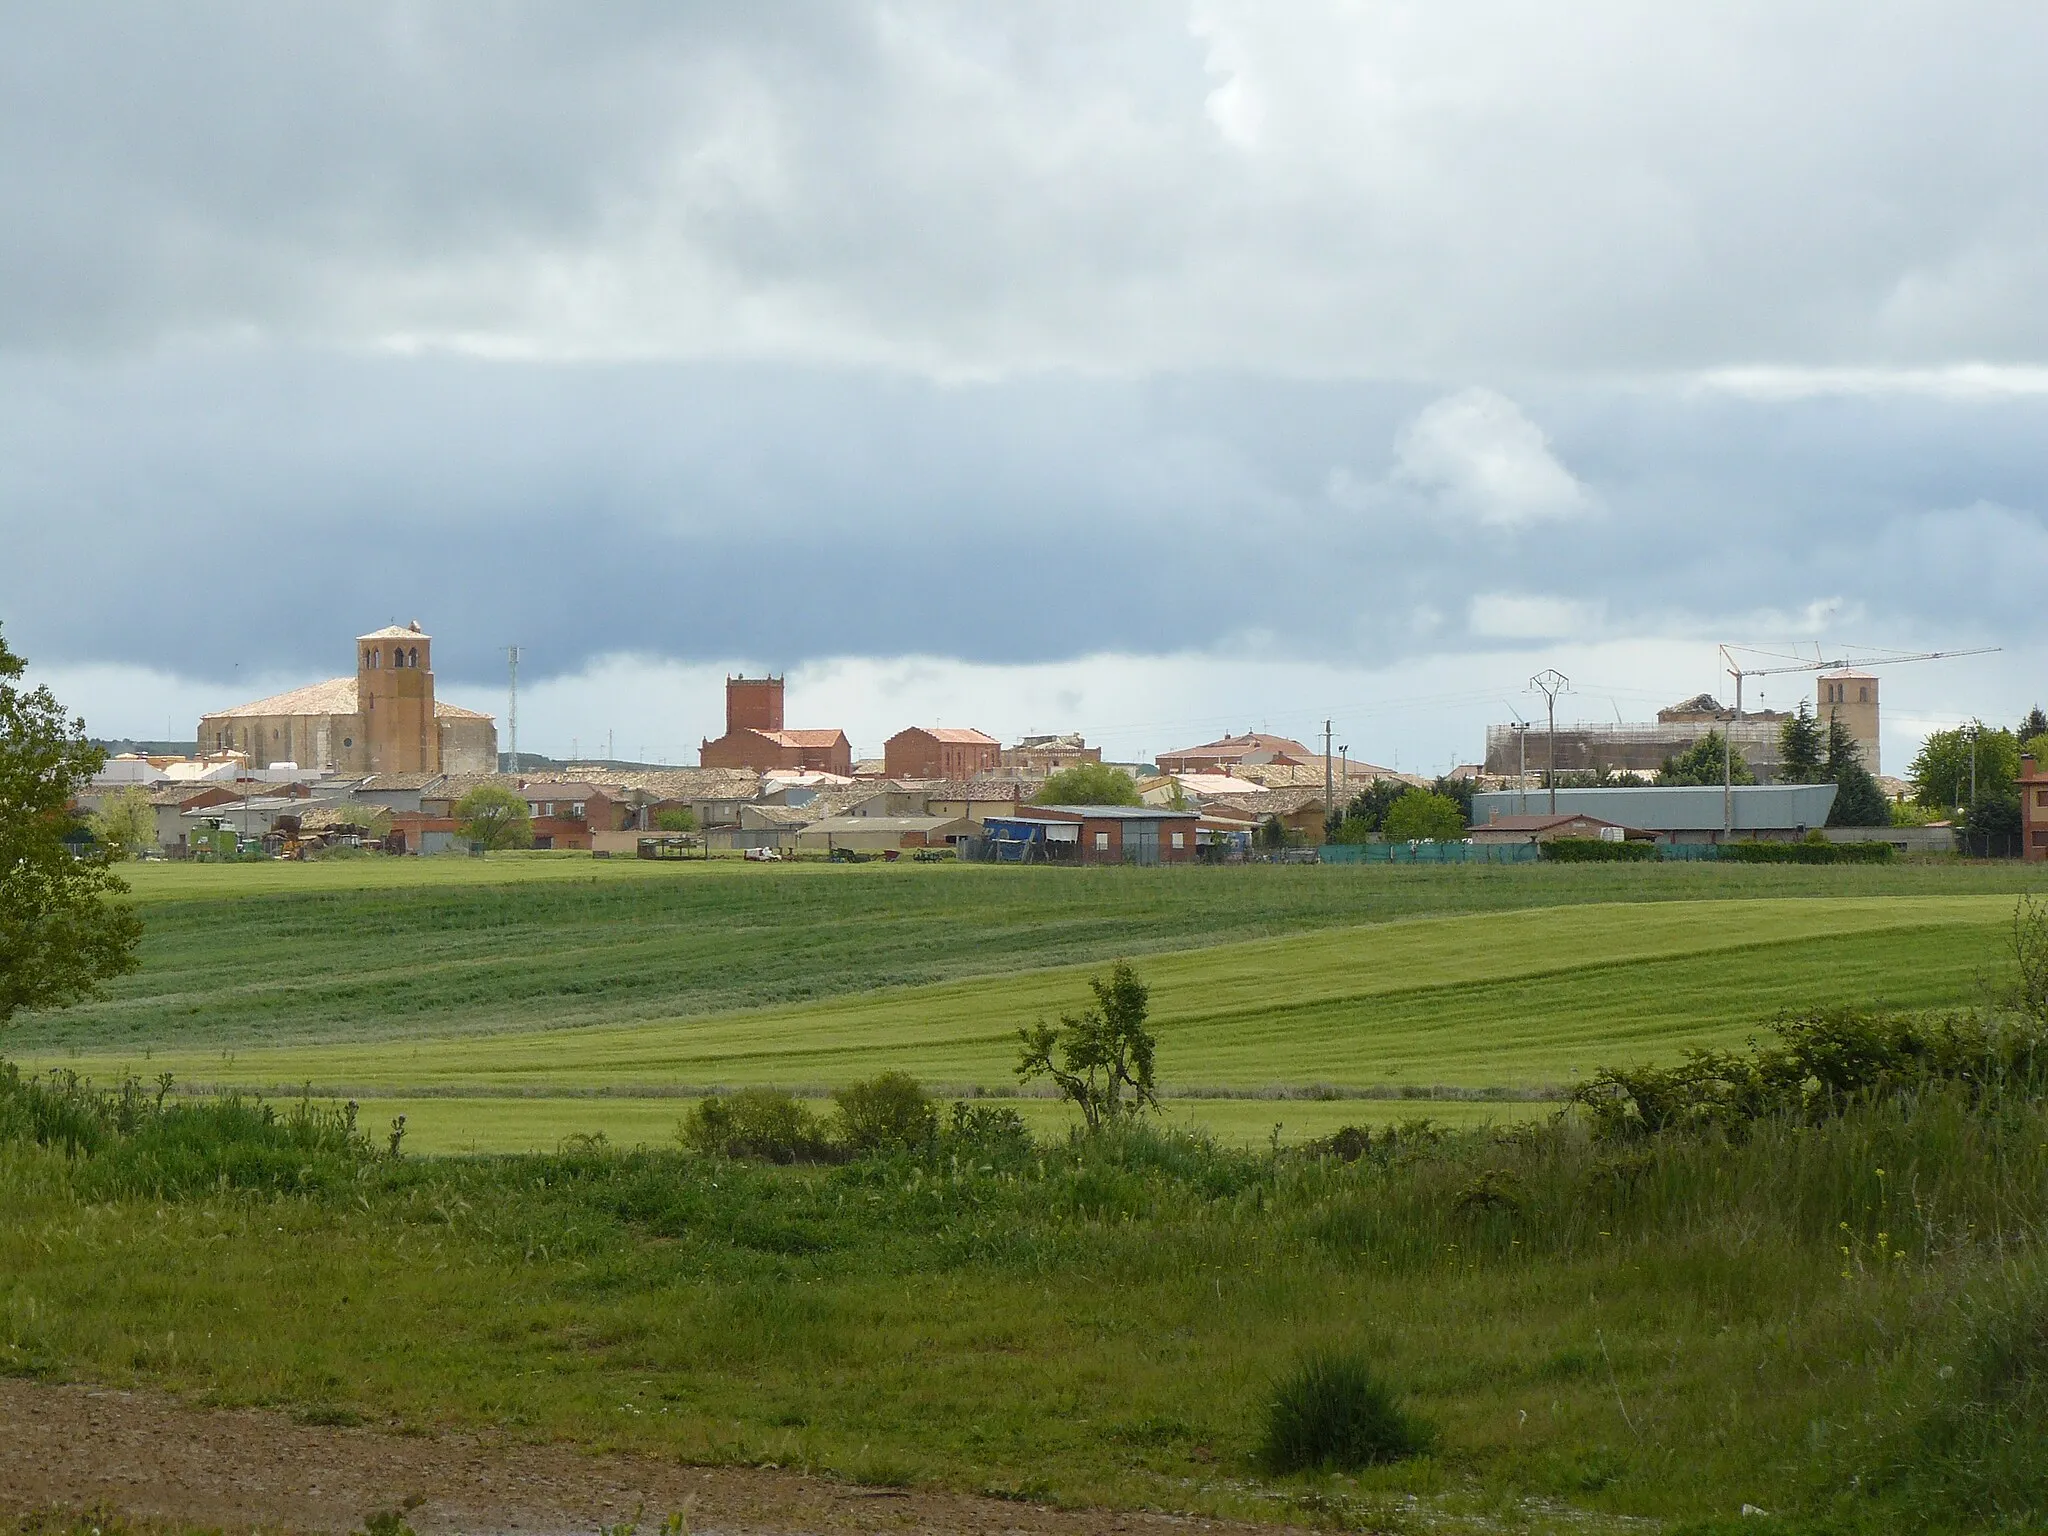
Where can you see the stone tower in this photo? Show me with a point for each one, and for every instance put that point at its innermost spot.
(1851, 697)
(753, 704)
(395, 697)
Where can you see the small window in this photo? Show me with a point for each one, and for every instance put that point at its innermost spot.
(1102, 842)
(348, 741)
(1180, 840)
(1863, 694)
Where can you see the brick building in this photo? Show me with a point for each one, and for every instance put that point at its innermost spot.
(940, 752)
(756, 738)
(2033, 809)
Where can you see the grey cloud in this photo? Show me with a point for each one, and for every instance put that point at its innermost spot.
(1447, 191)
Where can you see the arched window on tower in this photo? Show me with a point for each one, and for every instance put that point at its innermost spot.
(412, 656)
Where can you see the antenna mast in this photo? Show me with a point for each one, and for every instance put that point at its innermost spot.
(512, 702)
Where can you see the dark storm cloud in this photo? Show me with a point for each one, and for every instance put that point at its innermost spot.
(269, 504)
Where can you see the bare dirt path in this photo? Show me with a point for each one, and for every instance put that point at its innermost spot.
(148, 1456)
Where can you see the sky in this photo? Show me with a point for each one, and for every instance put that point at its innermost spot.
(1151, 370)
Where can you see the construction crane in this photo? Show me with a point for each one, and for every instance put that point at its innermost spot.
(1837, 664)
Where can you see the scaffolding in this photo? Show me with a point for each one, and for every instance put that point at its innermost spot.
(1590, 747)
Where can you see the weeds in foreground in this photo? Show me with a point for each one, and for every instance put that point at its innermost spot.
(1334, 1412)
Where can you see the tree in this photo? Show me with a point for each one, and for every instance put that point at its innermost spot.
(675, 818)
(61, 933)
(493, 817)
(1105, 1052)
(1701, 764)
(1273, 833)
(125, 823)
(1088, 784)
(1941, 771)
(1368, 809)
(1802, 750)
(1858, 800)
(2035, 724)
(1423, 816)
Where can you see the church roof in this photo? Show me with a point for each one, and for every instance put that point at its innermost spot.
(397, 632)
(336, 696)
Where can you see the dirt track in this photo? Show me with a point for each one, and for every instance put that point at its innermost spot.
(147, 1456)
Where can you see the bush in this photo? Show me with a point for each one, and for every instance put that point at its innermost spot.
(890, 1113)
(1333, 1412)
(1812, 851)
(755, 1122)
(986, 1134)
(1594, 850)
(1822, 1062)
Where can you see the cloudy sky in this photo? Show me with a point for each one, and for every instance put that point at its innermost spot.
(1150, 370)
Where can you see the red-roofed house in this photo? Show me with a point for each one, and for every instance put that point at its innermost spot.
(940, 752)
(755, 738)
(1220, 756)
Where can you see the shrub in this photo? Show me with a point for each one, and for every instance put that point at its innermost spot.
(890, 1113)
(1333, 1412)
(1594, 850)
(755, 1122)
(1823, 1060)
(1812, 851)
(986, 1133)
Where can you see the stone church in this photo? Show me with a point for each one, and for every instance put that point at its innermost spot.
(385, 719)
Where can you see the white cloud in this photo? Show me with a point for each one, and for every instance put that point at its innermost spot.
(1498, 615)
(1960, 381)
(1478, 454)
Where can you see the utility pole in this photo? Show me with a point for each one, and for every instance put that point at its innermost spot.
(1550, 683)
(1329, 783)
(512, 702)
(1522, 766)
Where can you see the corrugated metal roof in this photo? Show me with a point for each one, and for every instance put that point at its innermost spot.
(1656, 808)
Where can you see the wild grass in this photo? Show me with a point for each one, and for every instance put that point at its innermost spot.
(1832, 1319)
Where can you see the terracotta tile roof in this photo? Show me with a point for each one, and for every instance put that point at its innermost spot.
(961, 735)
(336, 696)
(397, 632)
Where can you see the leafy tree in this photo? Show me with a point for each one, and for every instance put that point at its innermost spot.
(1941, 771)
(494, 817)
(1105, 1052)
(1802, 749)
(1701, 764)
(675, 818)
(1273, 833)
(60, 934)
(1370, 806)
(1088, 784)
(1458, 791)
(125, 823)
(1422, 815)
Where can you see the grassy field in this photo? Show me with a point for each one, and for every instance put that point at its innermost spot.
(384, 949)
(1520, 998)
(1825, 1322)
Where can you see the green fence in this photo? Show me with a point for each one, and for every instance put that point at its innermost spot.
(1428, 853)
(1476, 853)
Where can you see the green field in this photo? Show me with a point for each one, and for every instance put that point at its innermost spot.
(383, 949)
(1511, 999)
(1814, 1318)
